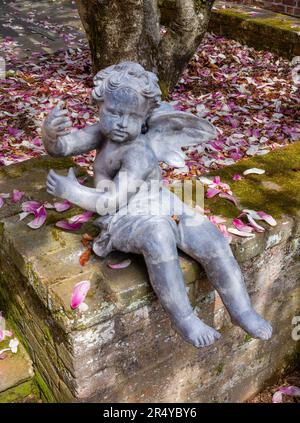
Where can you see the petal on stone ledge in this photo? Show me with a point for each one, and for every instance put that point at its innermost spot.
(81, 218)
(241, 226)
(17, 195)
(235, 231)
(40, 218)
(61, 207)
(122, 265)
(277, 397)
(79, 293)
(290, 390)
(267, 218)
(63, 224)
(211, 192)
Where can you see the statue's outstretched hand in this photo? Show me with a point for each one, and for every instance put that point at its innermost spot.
(57, 123)
(61, 186)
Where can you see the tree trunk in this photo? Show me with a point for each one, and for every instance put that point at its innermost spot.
(119, 30)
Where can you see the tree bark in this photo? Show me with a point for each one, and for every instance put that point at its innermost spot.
(119, 30)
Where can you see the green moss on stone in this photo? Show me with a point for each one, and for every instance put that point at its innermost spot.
(25, 392)
(282, 168)
(45, 391)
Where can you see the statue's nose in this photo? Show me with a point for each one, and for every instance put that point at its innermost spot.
(124, 121)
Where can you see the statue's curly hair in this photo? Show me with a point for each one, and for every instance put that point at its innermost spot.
(128, 75)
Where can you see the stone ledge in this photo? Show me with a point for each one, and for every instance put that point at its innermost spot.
(16, 377)
(255, 27)
(107, 352)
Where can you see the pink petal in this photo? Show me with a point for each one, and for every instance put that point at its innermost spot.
(254, 170)
(31, 206)
(229, 197)
(225, 232)
(241, 226)
(2, 336)
(121, 265)
(216, 220)
(79, 293)
(2, 356)
(40, 218)
(290, 390)
(81, 218)
(17, 195)
(255, 225)
(237, 177)
(267, 218)
(211, 192)
(240, 233)
(23, 215)
(68, 226)
(277, 397)
(61, 207)
(217, 180)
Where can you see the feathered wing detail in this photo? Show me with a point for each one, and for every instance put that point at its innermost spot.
(170, 130)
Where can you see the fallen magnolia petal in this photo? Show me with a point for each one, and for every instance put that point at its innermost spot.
(3, 196)
(267, 218)
(205, 181)
(254, 170)
(225, 232)
(236, 177)
(79, 293)
(254, 224)
(13, 345)
(122, 265)
(40, 218)
(31, 206)
(212, 192)
(63, 224)
(290, 390)
(277, 397)
(3, 356)
(23, 215)
(17, 195)
(81, 218)
(61, 207)
(241, 226)
(216, 220)
(229, 197)
(235, 231)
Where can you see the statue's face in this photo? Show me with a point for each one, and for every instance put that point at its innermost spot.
(122, 115)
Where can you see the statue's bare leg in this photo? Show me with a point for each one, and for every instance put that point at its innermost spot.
(206, 244)
(158, 245)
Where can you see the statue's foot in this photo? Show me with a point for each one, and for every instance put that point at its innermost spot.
(196, 332)
(254, 324)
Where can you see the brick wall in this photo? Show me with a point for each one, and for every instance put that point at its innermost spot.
(289, 7)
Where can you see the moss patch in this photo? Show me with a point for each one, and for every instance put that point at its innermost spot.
(26, 392)
(254, 192)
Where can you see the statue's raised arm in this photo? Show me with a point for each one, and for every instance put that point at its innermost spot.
(59, 141)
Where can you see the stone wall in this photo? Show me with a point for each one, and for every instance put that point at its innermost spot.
(123, 349)
(289, 7)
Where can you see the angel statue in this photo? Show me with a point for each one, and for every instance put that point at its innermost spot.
(135, 131)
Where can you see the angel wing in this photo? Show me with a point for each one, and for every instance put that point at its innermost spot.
(169, 130)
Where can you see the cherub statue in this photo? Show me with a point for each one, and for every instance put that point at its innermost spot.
(135, 131)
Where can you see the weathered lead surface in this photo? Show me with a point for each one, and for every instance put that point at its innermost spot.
(124, 348)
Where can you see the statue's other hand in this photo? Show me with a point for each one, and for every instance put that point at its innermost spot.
(57, 123)
(61, 186)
